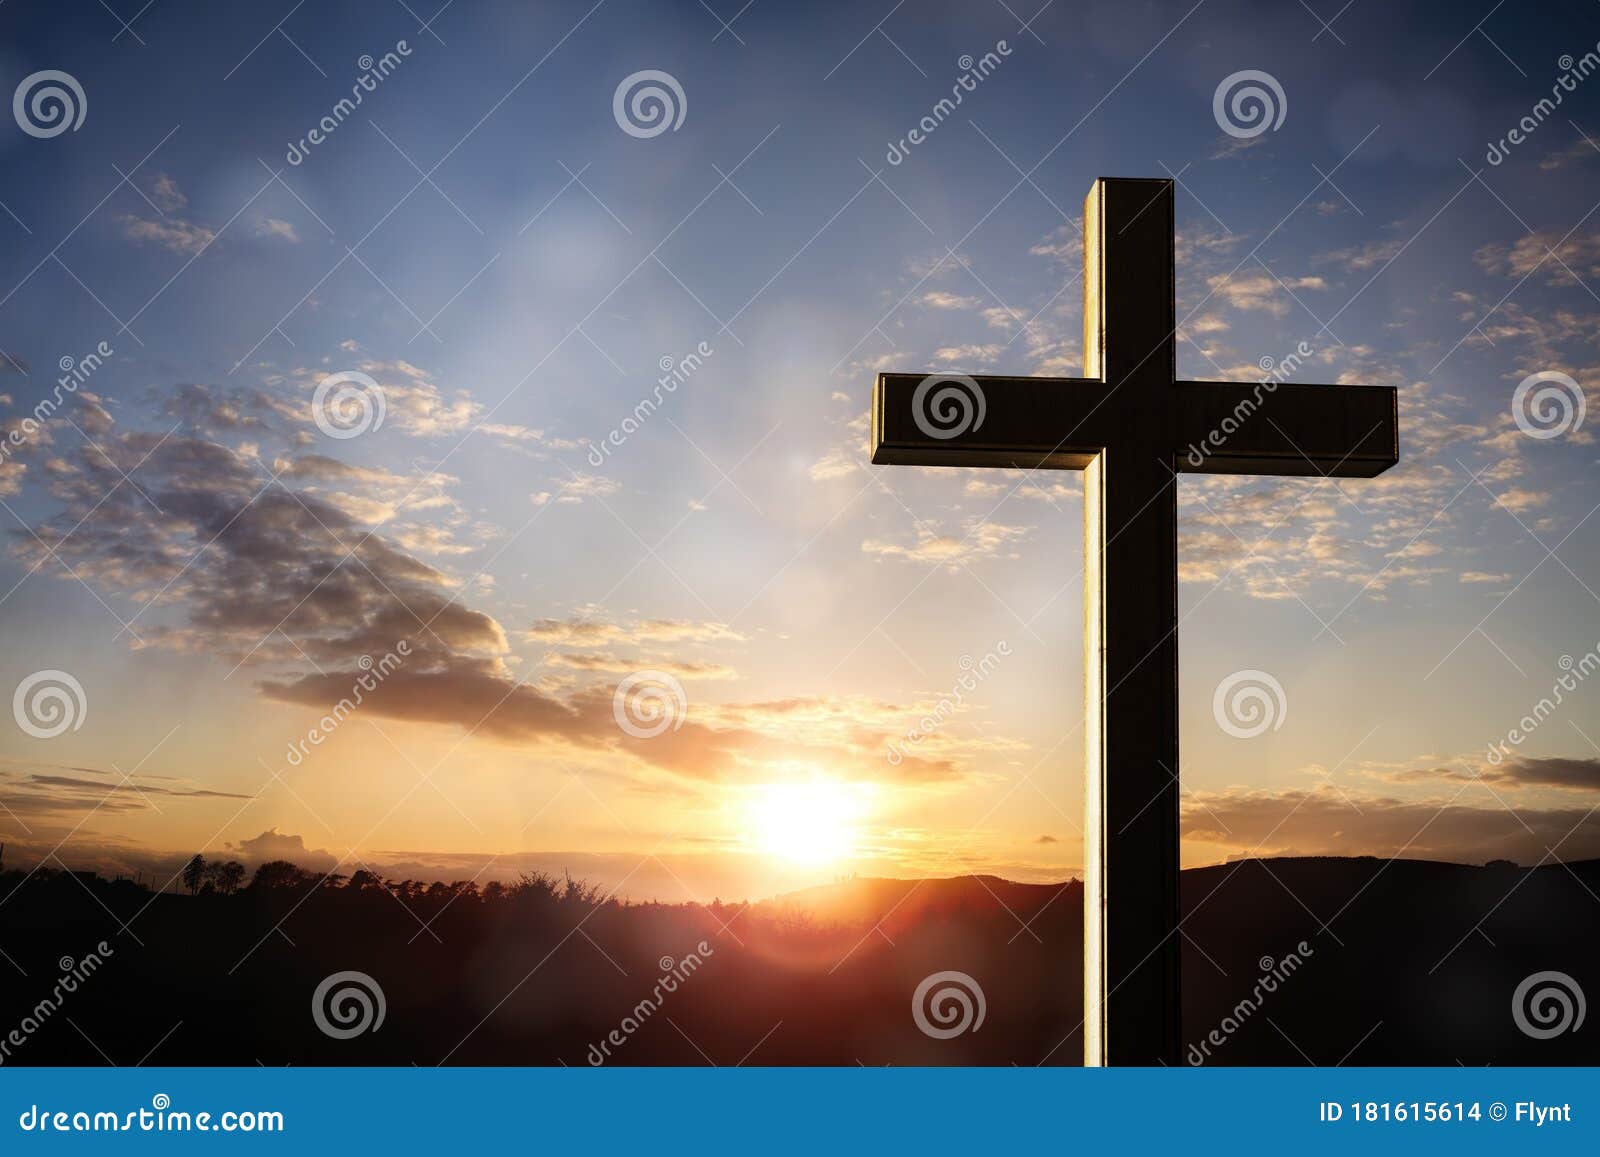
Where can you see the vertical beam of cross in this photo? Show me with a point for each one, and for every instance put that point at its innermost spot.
(1130, 550)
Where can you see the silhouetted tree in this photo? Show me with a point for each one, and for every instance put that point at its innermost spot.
(280, 874)
(194, 873)
(227, 877)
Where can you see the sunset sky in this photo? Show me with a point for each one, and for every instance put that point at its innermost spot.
(483, 239)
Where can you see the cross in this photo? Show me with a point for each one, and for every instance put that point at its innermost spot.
(1130, 425)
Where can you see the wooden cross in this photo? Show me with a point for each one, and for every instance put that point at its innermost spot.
(1129, 426)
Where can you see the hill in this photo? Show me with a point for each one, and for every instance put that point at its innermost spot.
(1292, 961)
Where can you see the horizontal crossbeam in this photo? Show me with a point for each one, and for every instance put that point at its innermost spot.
(1062, 423)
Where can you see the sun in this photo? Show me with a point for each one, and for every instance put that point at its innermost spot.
(806, 822)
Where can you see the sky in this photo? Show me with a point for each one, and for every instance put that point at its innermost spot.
(539, 414)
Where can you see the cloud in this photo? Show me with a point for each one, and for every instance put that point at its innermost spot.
(1327, 822)
(275, 845)
(605, 661)
(981, 540)
(283, 230)
(166, 194)
(1260, 290)
(174, 234)
(592, 632)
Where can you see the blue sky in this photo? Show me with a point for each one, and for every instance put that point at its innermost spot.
(483, 240)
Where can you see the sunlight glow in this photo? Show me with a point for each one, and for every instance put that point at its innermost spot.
(808, 822)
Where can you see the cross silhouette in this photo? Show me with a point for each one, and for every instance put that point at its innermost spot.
(1130, 425)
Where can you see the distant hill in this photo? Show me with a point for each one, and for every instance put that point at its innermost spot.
(1405, 962)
